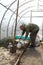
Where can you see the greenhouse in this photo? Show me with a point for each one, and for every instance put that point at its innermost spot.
(13, 14)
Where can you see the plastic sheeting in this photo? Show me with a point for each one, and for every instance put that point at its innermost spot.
(29, 11)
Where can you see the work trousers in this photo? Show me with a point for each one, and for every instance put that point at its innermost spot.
(33, 36)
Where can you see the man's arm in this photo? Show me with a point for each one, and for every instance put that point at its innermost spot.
(26, 35)
(22, 34)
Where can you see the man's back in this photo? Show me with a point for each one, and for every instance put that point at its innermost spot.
(30, 27)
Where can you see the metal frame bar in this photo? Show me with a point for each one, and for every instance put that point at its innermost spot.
(15, 10)
(4, 15)
(14, 13)
(28, 16)
(42, 29)
(6, 7)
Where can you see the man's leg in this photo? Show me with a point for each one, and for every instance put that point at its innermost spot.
(32, 39)
(33, 36)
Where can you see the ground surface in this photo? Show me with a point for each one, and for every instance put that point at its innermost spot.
(33, 56)
(7, 58)
(30, 57)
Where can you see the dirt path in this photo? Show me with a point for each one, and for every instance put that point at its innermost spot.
(6, 58)
(33, 57)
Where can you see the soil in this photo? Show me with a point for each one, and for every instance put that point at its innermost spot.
(7, 58)
(32, 56)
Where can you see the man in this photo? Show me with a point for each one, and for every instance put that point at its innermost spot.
(32, 29)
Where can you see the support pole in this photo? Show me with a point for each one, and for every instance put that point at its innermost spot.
(42, 30)
(37, 5)
(13, 48)
(0, 31)
(31, 16)
(16, 21)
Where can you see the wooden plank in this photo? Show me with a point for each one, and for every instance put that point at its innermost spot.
(19, 58)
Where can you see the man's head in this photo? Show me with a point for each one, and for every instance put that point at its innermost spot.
(22, 27)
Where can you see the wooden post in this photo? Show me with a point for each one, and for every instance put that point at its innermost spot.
(13, 49)
(16, 21)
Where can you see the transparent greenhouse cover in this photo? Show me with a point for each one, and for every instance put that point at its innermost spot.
(30, 11)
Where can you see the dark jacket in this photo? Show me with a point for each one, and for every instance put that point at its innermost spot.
(30, 28)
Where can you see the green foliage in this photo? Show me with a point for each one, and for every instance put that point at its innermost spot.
(5, 41)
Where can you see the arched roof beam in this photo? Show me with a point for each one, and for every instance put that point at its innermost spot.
(14, 13)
